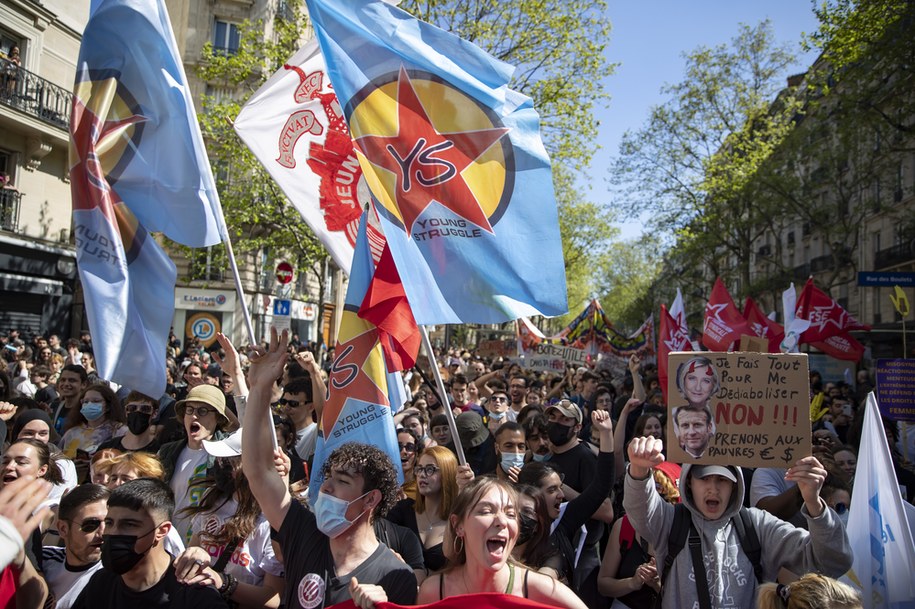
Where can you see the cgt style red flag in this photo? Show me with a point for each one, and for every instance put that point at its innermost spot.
(827, 317)
(385, 305)
(671, 337)
(723, 322)
(762, 326)
(841, 346)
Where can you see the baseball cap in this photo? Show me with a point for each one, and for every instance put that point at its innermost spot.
(567, 408)
(230, 446)
(703, 471)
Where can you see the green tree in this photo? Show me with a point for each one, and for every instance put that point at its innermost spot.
(690, 167)
(624, 280)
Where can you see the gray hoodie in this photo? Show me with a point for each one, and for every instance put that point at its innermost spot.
(729, 573)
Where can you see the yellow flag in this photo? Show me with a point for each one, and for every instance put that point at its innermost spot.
(901, 302)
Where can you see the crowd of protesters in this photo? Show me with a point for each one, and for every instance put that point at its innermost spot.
(112, 498)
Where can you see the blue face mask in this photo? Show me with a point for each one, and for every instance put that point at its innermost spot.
(542, 458)
(330, 513)
(510, 460)
(92, 410)
(496, 416)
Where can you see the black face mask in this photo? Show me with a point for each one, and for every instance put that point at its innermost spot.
(118, 554)
(138, 422)
(558, 433)
(526, 529)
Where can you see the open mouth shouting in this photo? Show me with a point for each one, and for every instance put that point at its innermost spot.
(496, 546)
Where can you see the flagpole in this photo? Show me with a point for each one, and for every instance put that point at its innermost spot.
(455, 437)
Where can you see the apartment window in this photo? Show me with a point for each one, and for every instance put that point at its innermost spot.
(876, 240)
(875, 195)
(225, 38)
(897, 188)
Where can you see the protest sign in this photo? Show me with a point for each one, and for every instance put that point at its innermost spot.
(554, 358)
(498, 348)
(746, 409)
(896, 388)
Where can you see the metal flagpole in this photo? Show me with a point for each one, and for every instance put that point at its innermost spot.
(456, 438)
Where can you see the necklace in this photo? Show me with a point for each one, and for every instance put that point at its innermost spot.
(428, 523)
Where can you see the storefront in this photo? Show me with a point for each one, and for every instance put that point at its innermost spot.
(202, 313)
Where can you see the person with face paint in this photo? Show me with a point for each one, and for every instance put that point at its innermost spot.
(331, 554)
(137, 571)
(141, 435)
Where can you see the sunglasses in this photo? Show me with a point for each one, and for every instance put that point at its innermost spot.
(425, 471)
(143, 408)
(290, 403)
(410, 447)
(90, 525)
(500, 398)
(200, 411)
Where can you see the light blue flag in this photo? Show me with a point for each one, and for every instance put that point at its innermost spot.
(455, 160)
(357, 408)
(165, 179)
(137, 164)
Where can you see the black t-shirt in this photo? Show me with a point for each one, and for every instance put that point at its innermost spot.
(311, 579)
(402, 540)
(116, 443)
(106, 589)
(578, 465)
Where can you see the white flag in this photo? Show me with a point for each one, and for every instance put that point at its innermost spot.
(295, 127)
(878, 529)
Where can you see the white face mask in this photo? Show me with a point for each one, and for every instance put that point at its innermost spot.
(330, 513)
(510, 460)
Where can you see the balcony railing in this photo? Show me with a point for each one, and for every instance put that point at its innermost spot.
(32, 94)
(9, 209)
(892, 256)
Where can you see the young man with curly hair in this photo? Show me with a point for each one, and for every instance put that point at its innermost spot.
(331, 554)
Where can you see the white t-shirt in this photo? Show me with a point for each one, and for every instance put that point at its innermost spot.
(770, 482)
(306, 440)
(253, 557)
(190, 468)
(65, 582)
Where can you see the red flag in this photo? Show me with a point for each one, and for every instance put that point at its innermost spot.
(827, 317)
(762, 326)
(671, 337)
(841, 346)
(385, 305)
(723, 322)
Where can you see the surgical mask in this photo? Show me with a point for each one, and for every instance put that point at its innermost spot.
(542, 458)
(118, 553)
(527, 528)
(138, 422)
(558, 433)
(330, 513)
(92, 410)
(496, 416)
(510, 460)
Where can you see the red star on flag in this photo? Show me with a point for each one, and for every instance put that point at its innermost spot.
(428, 165)
(348, 376)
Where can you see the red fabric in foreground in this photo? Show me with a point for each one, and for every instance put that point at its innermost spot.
(385, 305)
(463, 601)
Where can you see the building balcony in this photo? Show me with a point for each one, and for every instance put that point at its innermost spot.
(9, 209)
(894, 256)
(34, 96)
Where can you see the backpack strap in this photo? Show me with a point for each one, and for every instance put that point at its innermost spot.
(695, 550)
(678, 534)
(749, 541)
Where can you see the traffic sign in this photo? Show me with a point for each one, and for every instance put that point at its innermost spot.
(284, 272)
(282, 314)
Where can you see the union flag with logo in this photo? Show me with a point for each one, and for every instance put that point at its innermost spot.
(830, 324)
(723, 322)
(762, 326)
(453, 157)
(137, 164)
(671, 337)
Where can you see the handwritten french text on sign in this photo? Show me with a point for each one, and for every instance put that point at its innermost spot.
(896, 388)
(570, 355)
(746, 409)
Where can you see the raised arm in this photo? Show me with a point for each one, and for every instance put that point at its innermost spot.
(619, 436)
(257, 443)
(638, 389)
(306, 360)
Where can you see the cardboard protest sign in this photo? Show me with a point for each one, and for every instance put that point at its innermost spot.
(896, 388)
(553, 358)
(746, 409)
(498, 348)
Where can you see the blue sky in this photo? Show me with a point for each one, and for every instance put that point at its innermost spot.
(648, 40)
